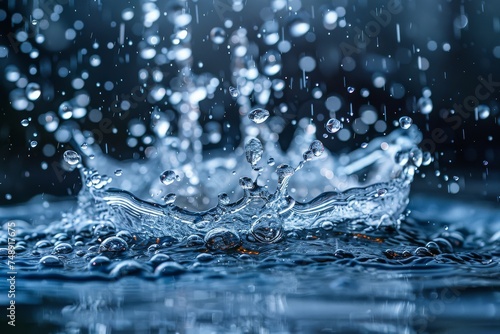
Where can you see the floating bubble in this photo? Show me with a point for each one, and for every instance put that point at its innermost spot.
(50, 261)
(333, 125)
(63, 248)
(71, 157)
(25, 122)
(221, 238)
(159, 258)
(128, 268)
(169, 268)
(98, 263)
(113, 244)
(405, 122)
(167, 177)
(258, 115)
(104, 229)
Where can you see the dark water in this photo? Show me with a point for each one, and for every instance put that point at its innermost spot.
(438, 273)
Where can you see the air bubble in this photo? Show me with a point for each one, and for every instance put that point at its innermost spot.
(113, 244)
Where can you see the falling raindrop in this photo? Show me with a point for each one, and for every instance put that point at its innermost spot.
(258, 115)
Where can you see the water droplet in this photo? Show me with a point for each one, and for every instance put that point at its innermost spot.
(308, 155)
(333, 125)
(402, 157)
(170, 198)
(299, 26)
(71, 157)
(33, 143)
(405, 122)
(221, 238)
(98, 263)
(258, 115)
(483, 111)
(327, 225)
(217, 35)
(267, 230)
(416, 157)
(159, 258)
(113, 244)
(246, 183)
(270, 161)
(118, 172)
(65, 110)
(350, 89)
(104, 229)
(271, 62)
(425, 105)
(25, 122)
(427, 159)
(63, 248)
(317, 148)
(253, 151)
(50, 261)
(224, 199)
(33, 91)
(167, 177)
(233, 91)
(169, 268)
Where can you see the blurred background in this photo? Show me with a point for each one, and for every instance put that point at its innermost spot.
(367, 63)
